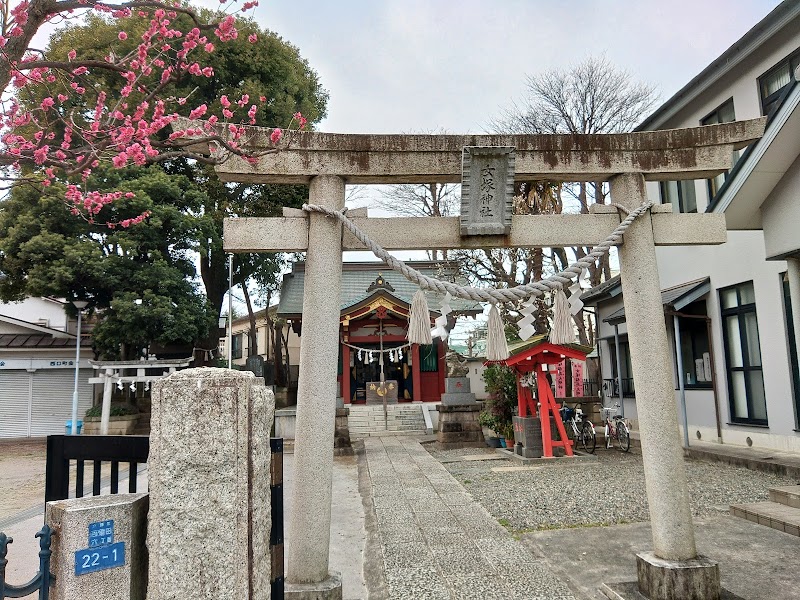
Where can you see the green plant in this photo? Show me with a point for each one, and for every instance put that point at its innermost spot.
(501, 405)
(117, 410)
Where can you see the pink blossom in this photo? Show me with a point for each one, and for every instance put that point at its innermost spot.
(122, 36)
(72, 54)
(47, 103)
(276, 135)
(198, 112)
(252, 38)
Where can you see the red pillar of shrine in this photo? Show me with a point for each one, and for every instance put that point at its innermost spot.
(416, 379)
(346, 393)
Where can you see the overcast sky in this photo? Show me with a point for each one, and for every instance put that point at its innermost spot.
(395, 66)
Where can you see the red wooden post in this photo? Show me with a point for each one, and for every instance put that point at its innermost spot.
(549, 407)
(416, 380)
(346, 393)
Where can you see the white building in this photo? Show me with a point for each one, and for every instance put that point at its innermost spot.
(37, 368)
(741, 383)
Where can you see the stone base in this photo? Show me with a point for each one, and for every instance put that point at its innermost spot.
(459, 427)
(459, 399)
(659, 579)
(328, 589)
(547, 460)
(341, 435)
(629, 590)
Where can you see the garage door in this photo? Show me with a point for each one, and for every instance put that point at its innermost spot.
(52, 399)
(15, 393)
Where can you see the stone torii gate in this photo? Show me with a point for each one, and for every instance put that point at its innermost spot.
(626, 161)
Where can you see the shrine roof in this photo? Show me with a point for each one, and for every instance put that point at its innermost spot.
(537, 340)
(21, 340)
(676, 297)
(540, 344)
(357, 278)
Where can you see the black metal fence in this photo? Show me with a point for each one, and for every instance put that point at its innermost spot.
(276, 534)
(41, 581)
(133, 450)
(611, 387)
(96, 449)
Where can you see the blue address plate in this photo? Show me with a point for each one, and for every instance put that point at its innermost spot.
(99, 558)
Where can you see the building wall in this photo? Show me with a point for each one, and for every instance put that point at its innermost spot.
(40, 311)
(780, 214)
(475, 374)
(241, 326)
(741, 259)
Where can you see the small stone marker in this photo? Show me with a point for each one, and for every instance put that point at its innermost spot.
(209, 468)
(99, 551)
(487, 189)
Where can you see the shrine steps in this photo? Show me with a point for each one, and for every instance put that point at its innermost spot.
(781, 512)
(401, 419)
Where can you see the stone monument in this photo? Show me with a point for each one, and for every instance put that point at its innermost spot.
(459, 411)
(209, 469)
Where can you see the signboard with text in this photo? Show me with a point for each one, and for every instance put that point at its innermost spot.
(487, 190)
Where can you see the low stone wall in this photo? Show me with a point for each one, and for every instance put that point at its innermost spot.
(122, 425)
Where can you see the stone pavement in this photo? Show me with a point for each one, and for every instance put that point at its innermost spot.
(437, 543)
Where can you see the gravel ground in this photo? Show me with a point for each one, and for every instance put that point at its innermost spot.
(608, 491)
(21, 475)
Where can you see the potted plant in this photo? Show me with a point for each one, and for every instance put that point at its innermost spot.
(122, 421)
(501, 405)
(489, 424)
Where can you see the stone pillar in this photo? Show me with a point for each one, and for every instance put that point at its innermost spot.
(209, 470)
(662, 454)
(308, 535)
(119, 569)
(794, 296)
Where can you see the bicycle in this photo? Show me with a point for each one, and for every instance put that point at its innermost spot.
(579, 427)
(616, 428)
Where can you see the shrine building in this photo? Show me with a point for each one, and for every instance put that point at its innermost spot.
(374, 307)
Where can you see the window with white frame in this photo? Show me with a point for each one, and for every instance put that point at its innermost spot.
(772, 83)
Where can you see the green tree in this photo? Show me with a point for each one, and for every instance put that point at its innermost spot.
(138, 279)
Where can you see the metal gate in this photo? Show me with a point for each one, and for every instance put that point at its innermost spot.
(37, 404)
(15, 394)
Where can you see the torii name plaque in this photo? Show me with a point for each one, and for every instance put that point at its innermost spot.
(487, 189)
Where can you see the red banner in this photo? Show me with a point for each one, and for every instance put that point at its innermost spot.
(561, 379)
(577, 377)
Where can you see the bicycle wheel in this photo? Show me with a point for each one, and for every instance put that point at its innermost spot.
(623, 436)
(588, 439)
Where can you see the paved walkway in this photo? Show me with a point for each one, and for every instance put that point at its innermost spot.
(437, 542)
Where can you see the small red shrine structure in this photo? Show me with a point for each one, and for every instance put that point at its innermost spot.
(536, 359)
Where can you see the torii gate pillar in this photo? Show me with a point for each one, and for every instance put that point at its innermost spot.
(674, 550)
(308, 539)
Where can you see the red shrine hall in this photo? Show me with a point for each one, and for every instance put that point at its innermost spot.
(373, 326)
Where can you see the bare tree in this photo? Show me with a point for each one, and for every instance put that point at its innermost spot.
(593, 96)
(421, 200)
